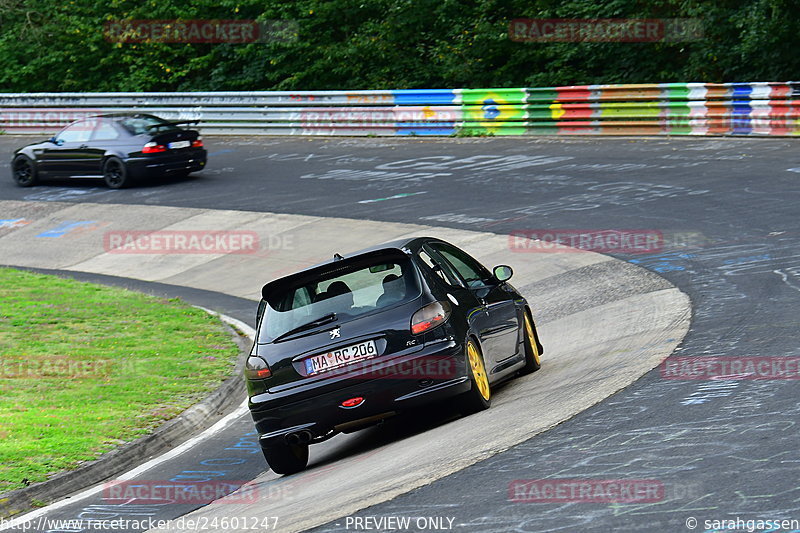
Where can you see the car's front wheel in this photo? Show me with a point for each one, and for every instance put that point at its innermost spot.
(479, 397)
(532, 348)
(115, 173)
(285, 459)
(24, 171)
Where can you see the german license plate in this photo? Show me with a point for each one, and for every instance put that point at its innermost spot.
(340, 357)
(179, 144)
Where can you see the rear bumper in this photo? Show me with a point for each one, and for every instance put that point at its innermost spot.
(164, 165)
(383, 396)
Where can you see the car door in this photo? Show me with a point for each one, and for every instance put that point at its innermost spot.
(500, 332)
(460, 294)
(106, 137)
(69, 153)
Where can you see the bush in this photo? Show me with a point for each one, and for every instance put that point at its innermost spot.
(386, 44)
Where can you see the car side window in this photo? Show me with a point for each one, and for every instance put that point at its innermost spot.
(105, 131)
(443, 271)
(470, 270)
(75, 133)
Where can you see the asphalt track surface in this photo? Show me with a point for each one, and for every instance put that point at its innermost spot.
(721, 449)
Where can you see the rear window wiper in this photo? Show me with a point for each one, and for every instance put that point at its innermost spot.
(330, 317)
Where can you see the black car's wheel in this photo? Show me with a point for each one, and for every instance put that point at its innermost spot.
(479, 397)
(532, 348)
(23, 171)
(115, 173)
(286, 459)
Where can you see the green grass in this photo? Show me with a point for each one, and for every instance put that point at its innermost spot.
(471, 132)
(85, 368)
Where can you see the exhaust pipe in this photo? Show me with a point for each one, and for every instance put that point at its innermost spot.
(300, 437)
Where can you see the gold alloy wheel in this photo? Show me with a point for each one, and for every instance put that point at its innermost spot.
(478, 370)
(531, 339)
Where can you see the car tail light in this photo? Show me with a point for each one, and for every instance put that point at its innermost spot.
(429, 317)
(153, 148)
(353, 402)
(198, 143)
(256, 368)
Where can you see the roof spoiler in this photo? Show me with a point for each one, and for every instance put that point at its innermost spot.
(173, 123)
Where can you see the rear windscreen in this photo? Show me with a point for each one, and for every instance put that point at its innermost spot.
(347, 292)
(141, 124)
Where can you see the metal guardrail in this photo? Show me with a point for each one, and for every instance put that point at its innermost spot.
(760, 108)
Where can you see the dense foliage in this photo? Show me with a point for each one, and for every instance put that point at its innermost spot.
(386, 44)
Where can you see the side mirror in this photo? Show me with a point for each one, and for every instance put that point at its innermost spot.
(56, 141)
(502, 273)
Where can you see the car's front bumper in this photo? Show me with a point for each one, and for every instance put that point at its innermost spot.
(277, 416)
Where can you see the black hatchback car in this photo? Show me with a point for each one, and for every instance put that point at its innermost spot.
(348, 343)
(120, 148)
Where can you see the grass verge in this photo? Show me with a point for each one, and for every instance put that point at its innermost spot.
(85, 368)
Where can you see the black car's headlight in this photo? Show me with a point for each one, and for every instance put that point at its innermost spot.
(430, 316)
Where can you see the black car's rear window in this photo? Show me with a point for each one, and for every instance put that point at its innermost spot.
(140, 124)
(348, 291)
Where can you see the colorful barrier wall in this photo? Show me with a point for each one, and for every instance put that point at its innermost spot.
(759, 108)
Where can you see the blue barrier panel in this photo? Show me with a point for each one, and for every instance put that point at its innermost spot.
(411, 128)
(424, 97)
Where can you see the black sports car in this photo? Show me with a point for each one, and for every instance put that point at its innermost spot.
(347, 343)
(120, 148)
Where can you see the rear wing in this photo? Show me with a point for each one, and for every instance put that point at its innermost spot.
(173, 123)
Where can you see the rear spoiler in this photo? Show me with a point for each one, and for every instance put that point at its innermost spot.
(173, 123)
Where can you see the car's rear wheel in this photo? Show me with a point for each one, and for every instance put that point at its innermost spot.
(115, 173)
(532, 351)
(23, 171)
(285, 459)
(479, 397)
